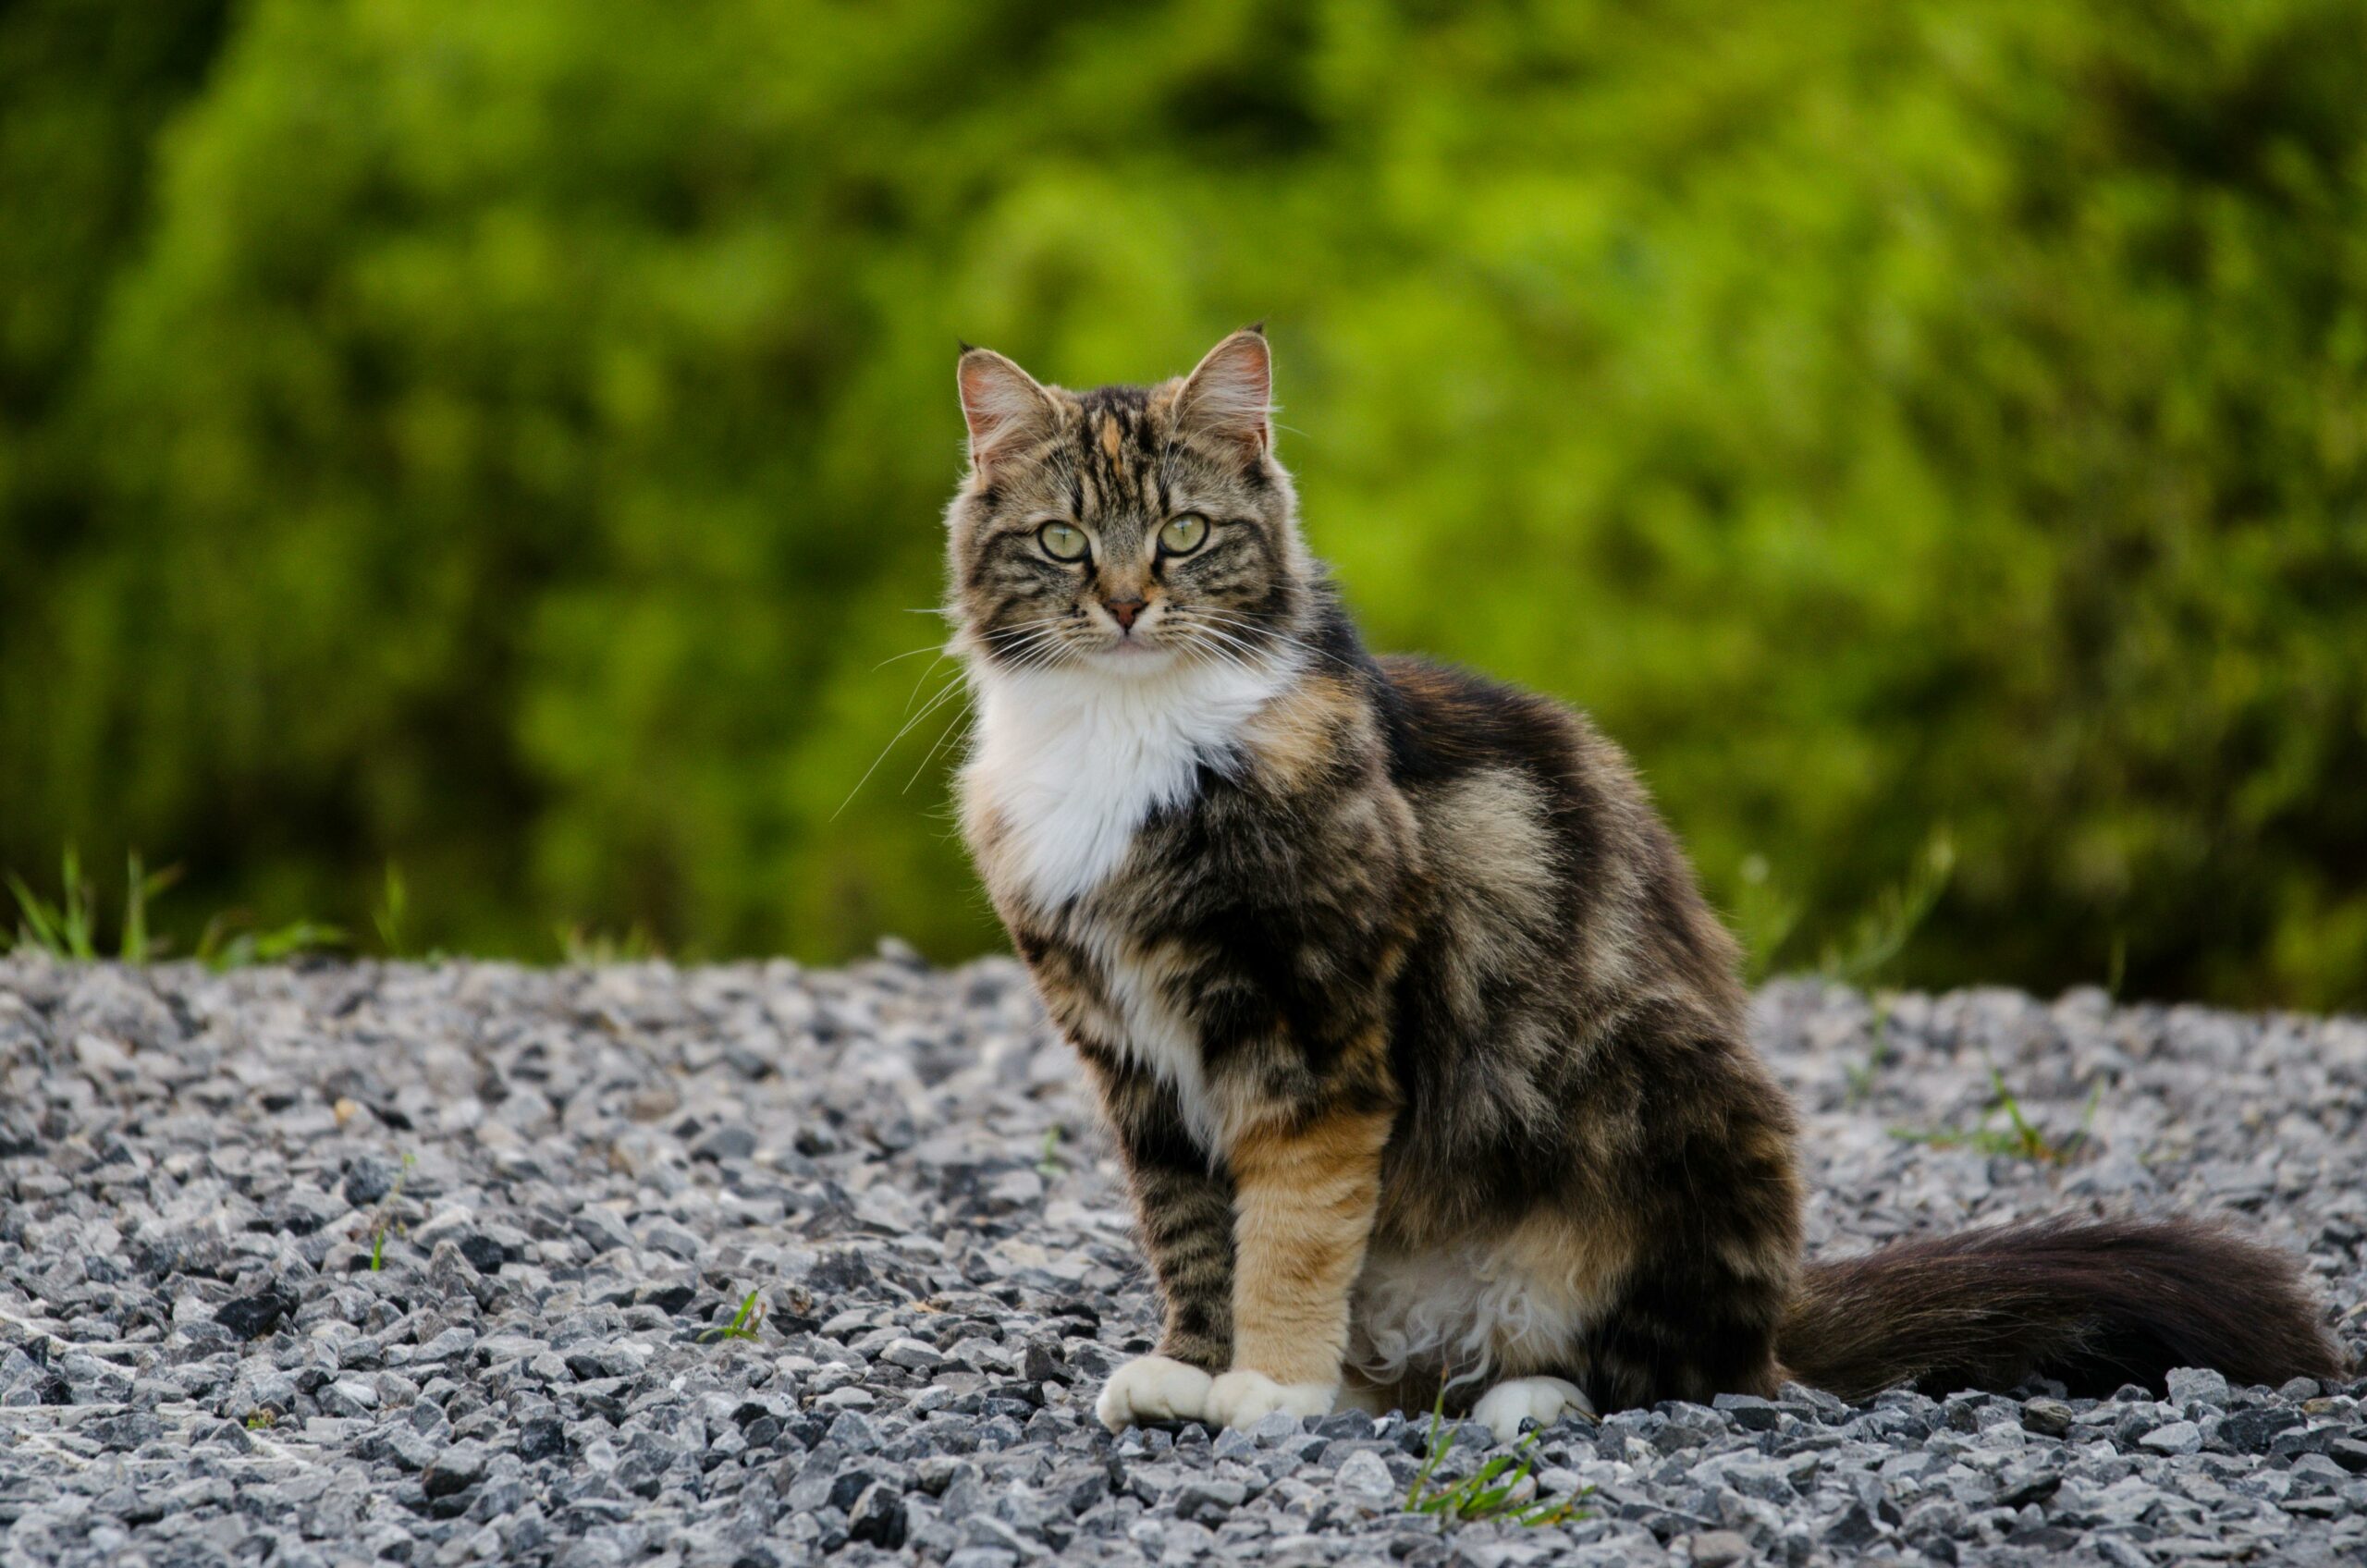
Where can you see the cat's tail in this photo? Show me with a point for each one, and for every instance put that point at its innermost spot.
(2091, 1302)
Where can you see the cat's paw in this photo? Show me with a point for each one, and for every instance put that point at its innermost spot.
(1153, 1388)
(1544, 1399)
(1242, 1398)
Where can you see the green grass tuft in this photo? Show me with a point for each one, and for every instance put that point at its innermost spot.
(1488, 1493)
(394, 905)
(2021, 1138)
(743, 1323)
(69, 929)
(386, 1207)
(66, 929)
(582, 947)
(226, 946)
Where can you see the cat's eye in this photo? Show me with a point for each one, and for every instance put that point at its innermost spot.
(1184, 534)
(1063, 541)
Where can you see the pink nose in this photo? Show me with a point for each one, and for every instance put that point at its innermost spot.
(1123, 611)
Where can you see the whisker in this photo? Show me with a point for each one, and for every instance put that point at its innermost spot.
(961, 725)
(908, 653)
(936, 701)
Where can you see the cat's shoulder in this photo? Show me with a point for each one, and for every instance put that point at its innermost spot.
(1442, 721)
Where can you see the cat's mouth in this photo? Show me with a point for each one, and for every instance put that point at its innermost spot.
(1135, 652)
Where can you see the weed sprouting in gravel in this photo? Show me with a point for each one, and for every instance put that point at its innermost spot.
(743, 1325)
(388, 918)
(67, 929)
(386, 1209)
(1491, 1492)
(1048, 1158)
(1878, 1054)
(581, 947)
(2021, 1138)
(226, 946)
(263, 1419)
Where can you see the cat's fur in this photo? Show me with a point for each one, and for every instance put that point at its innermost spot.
(1425, 1059)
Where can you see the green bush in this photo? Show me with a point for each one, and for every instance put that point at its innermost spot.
(507, 440)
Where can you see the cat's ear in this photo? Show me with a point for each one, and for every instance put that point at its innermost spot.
(1230, 396)
(1003, 404)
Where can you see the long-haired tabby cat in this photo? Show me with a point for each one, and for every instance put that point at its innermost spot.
(1424, 1057)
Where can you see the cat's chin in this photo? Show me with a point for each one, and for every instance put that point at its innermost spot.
(1130, 656)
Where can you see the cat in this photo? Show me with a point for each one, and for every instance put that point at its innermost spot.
(1425, 1057)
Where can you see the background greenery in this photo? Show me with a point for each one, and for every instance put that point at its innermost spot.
(502, 440)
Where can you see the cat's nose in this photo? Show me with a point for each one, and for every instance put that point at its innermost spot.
(1123, 611)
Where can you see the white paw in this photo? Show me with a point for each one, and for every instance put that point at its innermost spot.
(1544, 1399)
(1243, 1398)
(1153, 1388)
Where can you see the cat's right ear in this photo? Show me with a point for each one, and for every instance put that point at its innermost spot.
(1004, 406)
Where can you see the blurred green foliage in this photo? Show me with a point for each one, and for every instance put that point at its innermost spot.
(502, 440)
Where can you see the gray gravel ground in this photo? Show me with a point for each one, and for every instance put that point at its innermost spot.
(572, 1177)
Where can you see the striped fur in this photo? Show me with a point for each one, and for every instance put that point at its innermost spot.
(1424, 1057)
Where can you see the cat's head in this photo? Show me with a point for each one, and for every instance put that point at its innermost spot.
(1127, 529)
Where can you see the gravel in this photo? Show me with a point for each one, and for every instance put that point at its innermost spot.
(440, 1264)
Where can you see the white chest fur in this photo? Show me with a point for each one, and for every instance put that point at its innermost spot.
(1072, 762)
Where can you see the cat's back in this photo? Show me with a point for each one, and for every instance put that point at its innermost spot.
(1541, 841)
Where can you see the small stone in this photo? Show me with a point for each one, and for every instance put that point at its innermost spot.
(1718, 1548)
(600, 1229)
(348, 1397)
(252, 1316)
(732, 1141)
(459, 1468)
(912, 1354)
(2047, 1417)
(2177, 1436)
(1274, 1428)
(2022, 1488)
(2198, 1385)
(2349, 1452)
(879, 1516)
(1856, 1527)
(851, 1432)
(1207, 1502)
(368, 1181)
(2252, 1431)
(1364, 1474)
(1752, 1413)
(540, 1439)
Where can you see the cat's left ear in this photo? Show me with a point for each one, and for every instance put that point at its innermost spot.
(1230, 395)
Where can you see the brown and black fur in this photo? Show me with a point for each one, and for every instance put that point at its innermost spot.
(1451, 986)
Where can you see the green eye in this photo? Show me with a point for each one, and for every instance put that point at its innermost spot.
(1062, 542)
(1184, 534)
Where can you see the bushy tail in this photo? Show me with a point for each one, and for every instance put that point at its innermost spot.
(2091, 1302)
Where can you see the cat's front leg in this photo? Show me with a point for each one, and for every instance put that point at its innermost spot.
(1185, 1212)
(1305, 1190)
